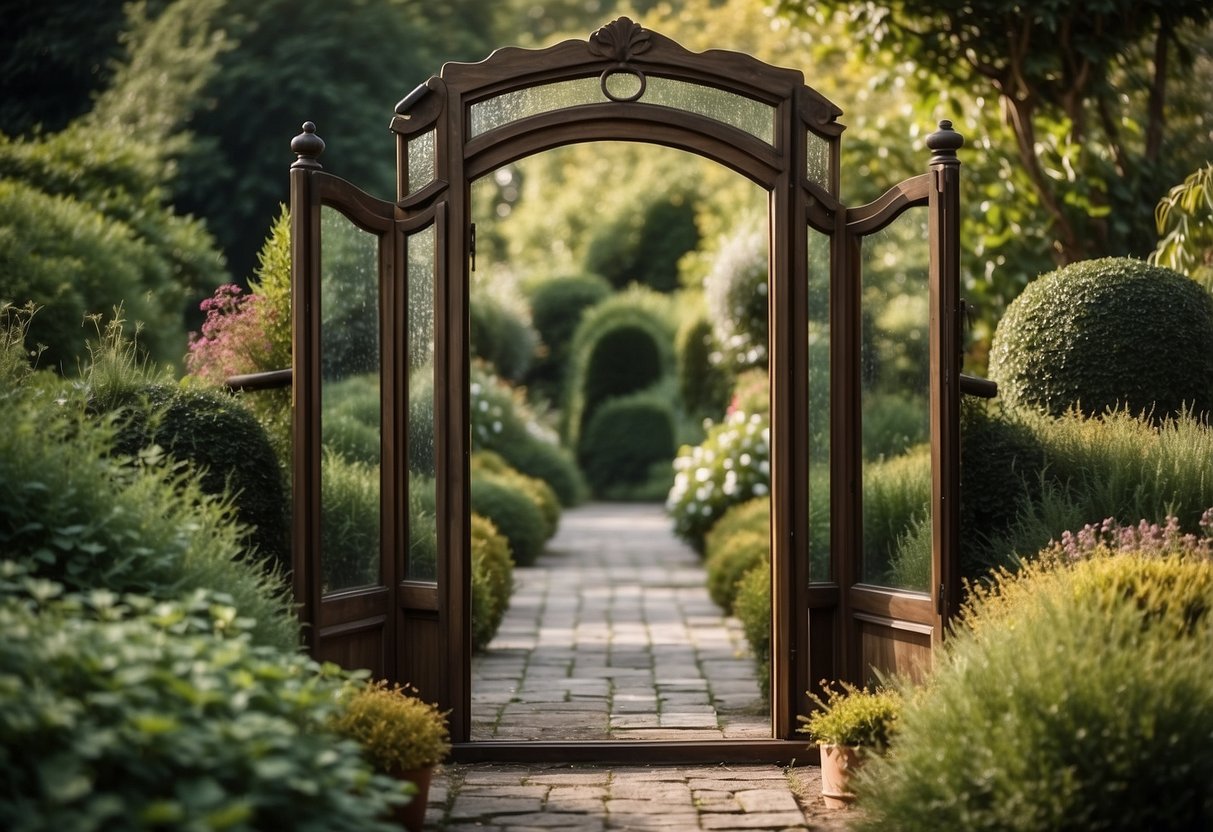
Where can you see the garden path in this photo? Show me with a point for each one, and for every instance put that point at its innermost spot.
(612, 635)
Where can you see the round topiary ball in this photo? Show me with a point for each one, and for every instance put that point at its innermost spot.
(1110, 333)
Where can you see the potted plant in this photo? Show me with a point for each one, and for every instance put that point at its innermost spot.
(401, 735)
(849, 723)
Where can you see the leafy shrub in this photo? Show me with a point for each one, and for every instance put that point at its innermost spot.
(87, 227)
(1098, 694)
(78, 514)
(397, 731)
(730, 559)
(626, 437)
(732, 465)
(622, 345)
(422, 564)
(893, 423)
(557, 305)
(736, 292)
(1107, 334)
(854, 716)
(492, 580)
(752, 607)
(488, 465)
(224, 445)
(702, 382)
(73, 261)
(164, 715)
(501, 336)
(513, 513)
(552, 464)
(643, 244)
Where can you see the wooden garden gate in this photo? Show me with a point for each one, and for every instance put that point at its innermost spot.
(380, 300)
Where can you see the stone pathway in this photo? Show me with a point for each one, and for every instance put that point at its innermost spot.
(611, 635)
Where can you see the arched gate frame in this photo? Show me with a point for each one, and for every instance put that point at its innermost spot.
(380, 299)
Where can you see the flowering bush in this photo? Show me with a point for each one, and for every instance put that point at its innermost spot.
(235, 336)
(731, 466)
(1146, 538)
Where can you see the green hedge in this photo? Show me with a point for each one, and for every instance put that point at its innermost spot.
(643, 243)
(1110, 333)
(752, 606)
(492, 580)
(488, 465)
(625, 439)
(623, 345)
(514, 514)
(728, 561)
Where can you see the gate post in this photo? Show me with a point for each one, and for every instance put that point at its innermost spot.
(945, 357)
(305, 392)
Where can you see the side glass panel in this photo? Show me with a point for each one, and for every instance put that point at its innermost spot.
(423, 163)
(754, 117)
(421, 559)
(350, 432)
(894, 405)
(818, 157)
(819, 405)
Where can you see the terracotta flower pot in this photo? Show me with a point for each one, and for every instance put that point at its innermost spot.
(412, 815)
(838, 763)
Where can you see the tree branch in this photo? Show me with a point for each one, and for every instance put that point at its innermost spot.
(1156, 106)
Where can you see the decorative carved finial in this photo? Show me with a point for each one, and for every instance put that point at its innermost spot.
(944, 142)
(620, 40)
(308, 147)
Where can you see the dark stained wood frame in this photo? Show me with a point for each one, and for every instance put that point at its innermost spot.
(812, 624)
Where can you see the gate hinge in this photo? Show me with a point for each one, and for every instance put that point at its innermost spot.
(939, 599)
(472, 246)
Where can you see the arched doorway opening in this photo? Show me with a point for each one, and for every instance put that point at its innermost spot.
(381, 294)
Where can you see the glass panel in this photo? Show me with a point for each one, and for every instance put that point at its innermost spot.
(350, 427)
(818, 155)
(421, 562)
(746, 114)
(514, 106)
(754, 117)
(894, 395)
(422, 162)
(819, 406)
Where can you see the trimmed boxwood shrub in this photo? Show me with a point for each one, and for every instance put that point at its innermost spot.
(552, 464)
(1110, 333)
(752, 607)
(625, 438)
(155, 715)
(730, 558)
(1079, 699)
(514, 514)
(492, 580)
(486, 464)
(751, 516)
(226, 447)
(623, 345)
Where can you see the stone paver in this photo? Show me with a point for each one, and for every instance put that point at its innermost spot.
(611, 635)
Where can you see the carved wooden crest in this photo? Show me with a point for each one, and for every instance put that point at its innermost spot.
(619, 40)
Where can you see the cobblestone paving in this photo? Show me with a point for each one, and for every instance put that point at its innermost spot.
(612, 635)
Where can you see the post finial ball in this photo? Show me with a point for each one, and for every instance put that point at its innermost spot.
(945, 141)
(307, 146)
